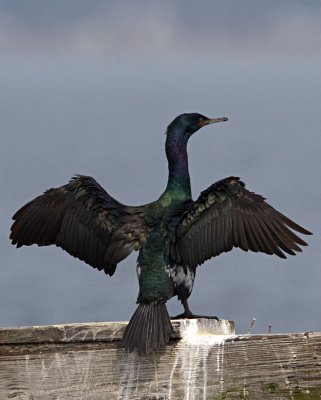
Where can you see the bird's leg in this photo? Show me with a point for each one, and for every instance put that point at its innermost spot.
(188, 313)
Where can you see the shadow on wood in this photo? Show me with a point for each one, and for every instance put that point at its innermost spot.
(205, 360)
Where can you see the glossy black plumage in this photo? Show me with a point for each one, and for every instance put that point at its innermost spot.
(84, 220)
(157, 328)
(228, 215)
(173, 234)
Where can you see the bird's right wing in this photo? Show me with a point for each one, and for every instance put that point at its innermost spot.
(227, 215)
(83, 219)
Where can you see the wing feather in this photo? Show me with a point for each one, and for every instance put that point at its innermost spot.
(84, 220)
(227, 215)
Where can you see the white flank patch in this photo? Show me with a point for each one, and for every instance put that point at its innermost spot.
(180, 277)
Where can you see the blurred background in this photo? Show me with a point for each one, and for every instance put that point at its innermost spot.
(90, 87)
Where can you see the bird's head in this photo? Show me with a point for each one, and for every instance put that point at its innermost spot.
(185, 125)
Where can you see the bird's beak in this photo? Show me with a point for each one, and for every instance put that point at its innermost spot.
(212, 121)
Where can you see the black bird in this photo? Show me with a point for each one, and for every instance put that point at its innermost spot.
(173, 235)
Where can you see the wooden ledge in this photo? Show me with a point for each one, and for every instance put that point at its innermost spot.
(97, 331)
(88, 361)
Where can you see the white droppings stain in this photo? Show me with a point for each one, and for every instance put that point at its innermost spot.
(156, 372)
(198, 341)
(205, 331)
(130, 377)
(220, 365)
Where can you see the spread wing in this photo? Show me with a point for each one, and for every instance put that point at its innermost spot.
(227, 215)
(83, 219)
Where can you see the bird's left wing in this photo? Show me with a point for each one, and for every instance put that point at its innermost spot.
(227, 215)
(83, 219)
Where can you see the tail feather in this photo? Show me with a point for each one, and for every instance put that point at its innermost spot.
(149, 328)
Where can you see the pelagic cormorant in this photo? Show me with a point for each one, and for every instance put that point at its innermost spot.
(173, 235)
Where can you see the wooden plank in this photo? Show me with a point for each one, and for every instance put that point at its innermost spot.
(90, 332)
(199, 366)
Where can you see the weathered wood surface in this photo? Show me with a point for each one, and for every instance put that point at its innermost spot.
(78, 366)
(91, 332)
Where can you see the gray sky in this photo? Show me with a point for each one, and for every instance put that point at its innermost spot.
(89, 87)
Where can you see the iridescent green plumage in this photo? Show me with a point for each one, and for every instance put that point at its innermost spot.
(174, 234)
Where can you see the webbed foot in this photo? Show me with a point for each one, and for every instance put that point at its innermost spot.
(187, 314)
(190, 315)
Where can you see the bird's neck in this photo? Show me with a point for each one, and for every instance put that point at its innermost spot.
(179, 184)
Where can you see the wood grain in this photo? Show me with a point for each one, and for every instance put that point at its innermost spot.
(93, 331)
(217, 367)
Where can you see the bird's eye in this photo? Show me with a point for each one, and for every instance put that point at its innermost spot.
(200, 121)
